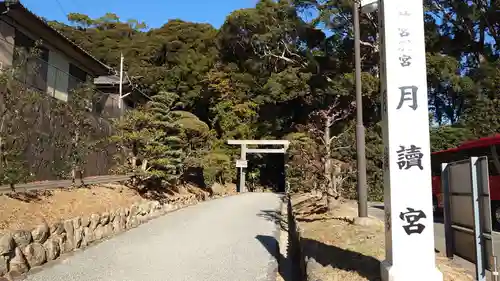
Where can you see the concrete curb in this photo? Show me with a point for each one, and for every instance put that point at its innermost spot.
(275, 268)
(291, 262)
(296, 254)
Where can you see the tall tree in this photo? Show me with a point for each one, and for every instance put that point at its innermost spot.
(165, 152)
(266, 71)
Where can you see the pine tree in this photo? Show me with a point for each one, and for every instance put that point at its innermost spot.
(165, 150)
(132, 134)
(152, 137)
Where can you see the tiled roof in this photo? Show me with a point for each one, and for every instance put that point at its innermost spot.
(43, 22)
(110, 79)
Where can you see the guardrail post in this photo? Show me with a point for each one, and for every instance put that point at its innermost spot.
(494, 273)
(478, 230)
(448, 231)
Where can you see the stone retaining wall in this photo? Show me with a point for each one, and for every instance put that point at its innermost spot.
(22, 250)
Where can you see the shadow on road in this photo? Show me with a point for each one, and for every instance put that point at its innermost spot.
(288, 255)
(272, 246)
(275, 217)
(328, 255)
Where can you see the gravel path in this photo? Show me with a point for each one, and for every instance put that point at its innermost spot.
(231, 239)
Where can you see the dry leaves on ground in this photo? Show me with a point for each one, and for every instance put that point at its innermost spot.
(338, 250)
(26, 210)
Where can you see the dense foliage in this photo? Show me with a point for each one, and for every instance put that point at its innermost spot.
(267, 73)
(42, 138)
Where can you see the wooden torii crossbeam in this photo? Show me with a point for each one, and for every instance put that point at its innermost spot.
(242, 163)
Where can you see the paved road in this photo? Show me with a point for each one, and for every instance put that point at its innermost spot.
(227, 239)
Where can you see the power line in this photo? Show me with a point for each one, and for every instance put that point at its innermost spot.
(134, 87)
(61, 8)
(132, 84)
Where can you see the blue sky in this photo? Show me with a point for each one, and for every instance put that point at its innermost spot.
(154, 12)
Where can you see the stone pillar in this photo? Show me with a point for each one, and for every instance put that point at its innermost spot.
(243, 157)
(409, 221)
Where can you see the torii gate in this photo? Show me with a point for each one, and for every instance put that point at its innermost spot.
(242, 163)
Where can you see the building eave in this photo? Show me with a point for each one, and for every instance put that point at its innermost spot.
(100, 69)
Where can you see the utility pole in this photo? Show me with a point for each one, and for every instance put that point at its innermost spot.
(360, 128)
(120, 96)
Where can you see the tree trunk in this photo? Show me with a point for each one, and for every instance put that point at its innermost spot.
(76, 171)
(333, 198)
(329, 187)
(144, 165)
(332, 202)
(326, 135)
(133, 153)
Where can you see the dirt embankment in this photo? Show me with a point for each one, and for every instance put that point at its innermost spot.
(27, 210)
(338, 250)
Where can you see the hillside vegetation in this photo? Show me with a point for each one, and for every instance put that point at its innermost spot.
(268, 74)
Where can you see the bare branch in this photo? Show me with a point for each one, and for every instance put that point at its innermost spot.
(322, 141)
(339, 148)
(372, 20)
(335, 137)
(375, 47)
(281, 57)
(340, 135)
(288, 50)
(338, 115)
(266, 52)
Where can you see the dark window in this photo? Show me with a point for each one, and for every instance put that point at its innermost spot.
(492, 168)
(129, 103)
(23, 42)
(77, 76)
(32, 69)
(435, 167)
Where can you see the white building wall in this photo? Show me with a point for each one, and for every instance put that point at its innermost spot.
(57, 76)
